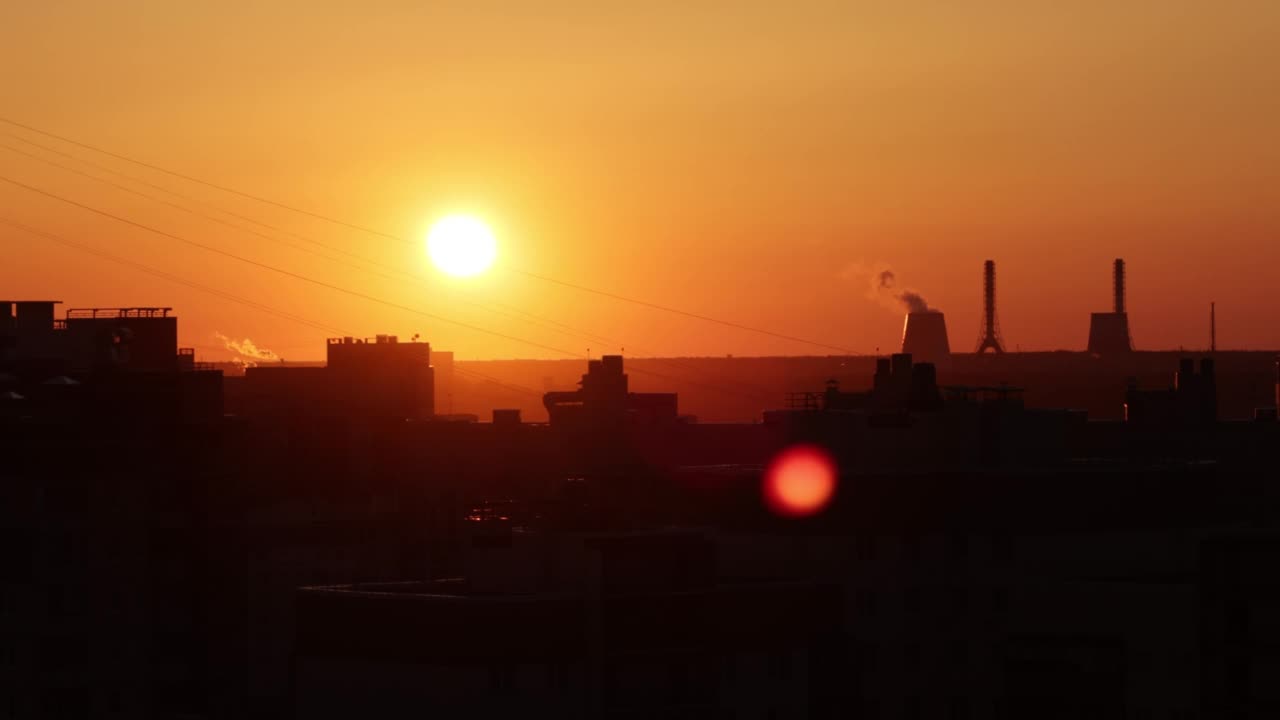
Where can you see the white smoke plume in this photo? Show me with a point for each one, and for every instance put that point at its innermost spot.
(248, 353)
(883, 289)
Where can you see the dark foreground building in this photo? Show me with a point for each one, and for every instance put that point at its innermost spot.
(570, 624)
(378, 377)
(979, 557)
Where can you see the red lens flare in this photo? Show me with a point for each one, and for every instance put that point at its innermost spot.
(800, 481)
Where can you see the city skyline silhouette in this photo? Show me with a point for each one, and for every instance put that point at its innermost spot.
(493, 360)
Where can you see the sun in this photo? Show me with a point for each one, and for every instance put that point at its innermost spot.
(461, 245)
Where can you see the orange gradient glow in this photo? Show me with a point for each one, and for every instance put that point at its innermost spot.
(761, 170)
(800, 481)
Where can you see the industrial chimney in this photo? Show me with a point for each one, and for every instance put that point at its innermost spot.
(1117, 281)
(1109, 332)
(924, 337)
(989, 338)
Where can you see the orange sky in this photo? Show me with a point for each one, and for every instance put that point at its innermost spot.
(750, 161)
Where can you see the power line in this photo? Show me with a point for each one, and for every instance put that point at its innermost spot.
(403, 276)
(174, 193)
(298, 276)
(379, 233)
(676, 311)
(390, 273)
(198, 181)
(266, 308)
(229, 296)
(495, 381)
(170, 277)
(286, 273)
(176, 206)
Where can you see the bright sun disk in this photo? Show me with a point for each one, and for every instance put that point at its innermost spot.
(461, 245)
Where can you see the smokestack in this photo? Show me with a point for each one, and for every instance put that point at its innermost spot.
(924, 336)
(1109, 332)
(989, 290)
(1118, 280)
(1213, 327)
(990, 336)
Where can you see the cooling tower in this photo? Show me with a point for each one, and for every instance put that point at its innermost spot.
(924, 336)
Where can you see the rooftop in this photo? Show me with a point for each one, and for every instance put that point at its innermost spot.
(449, 589)
(132, 312)
(375, 340)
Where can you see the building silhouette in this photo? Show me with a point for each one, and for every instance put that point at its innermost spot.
(142, 338)
(556, 622)
(101, 363)
(313, 552)
(1191, 400)
(378, 377)
(604, 400)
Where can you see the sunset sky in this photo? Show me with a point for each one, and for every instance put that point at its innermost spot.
(755, 162)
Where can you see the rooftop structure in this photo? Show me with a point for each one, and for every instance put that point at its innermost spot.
(26, 327)
(382, 376)
(604, 400)
(1192, 400)
(88, 339)
(108, 313)
(26, 314)
(136, 338)
(378, 377)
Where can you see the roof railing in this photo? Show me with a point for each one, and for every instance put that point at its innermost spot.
(804, 401)
(132, 312)
(375, 340)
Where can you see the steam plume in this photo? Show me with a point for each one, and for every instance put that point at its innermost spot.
(914, 302)
(247, 352)
(883, 290)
